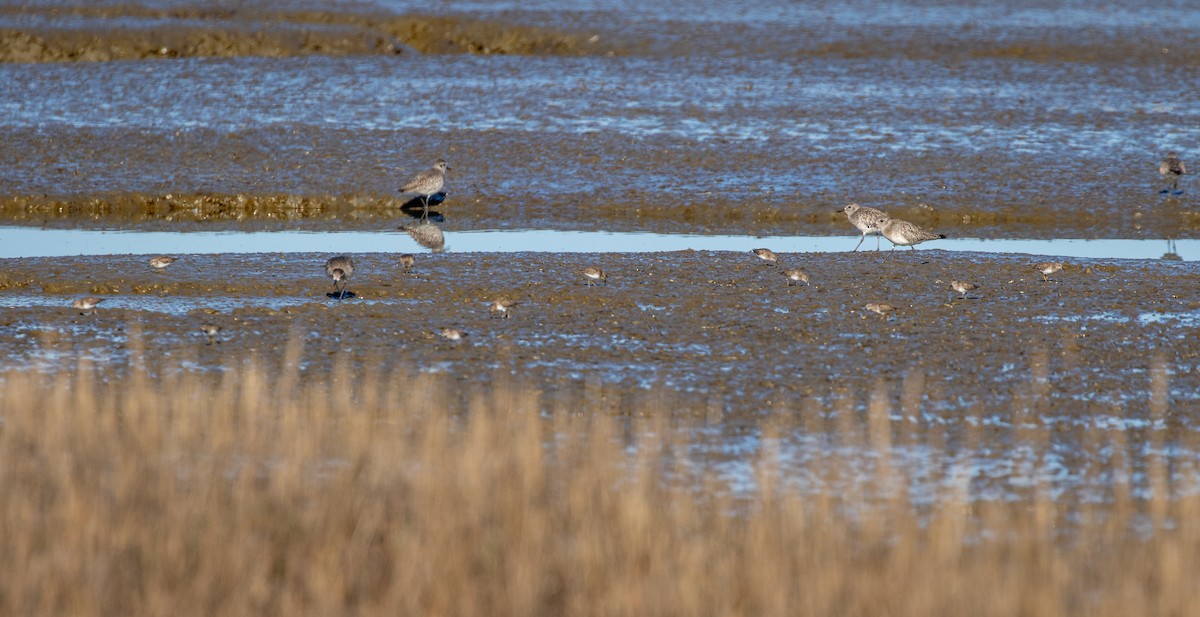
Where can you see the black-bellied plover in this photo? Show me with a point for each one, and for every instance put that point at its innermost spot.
(161, 262)
(211, 331)
(340, 269)
(427, 184)
(453, 334)
(903, 233)
(591, 275)
(795, 277)
(1171, 170)
(87, 305)
(880, 308)
(866, 220)
(500, 306)
(766, 255)
(1046, 268)
(962, 287)
(407, 261)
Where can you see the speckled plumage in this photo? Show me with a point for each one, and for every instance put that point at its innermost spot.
(427, 183)
(340, 269)
(903, 233)
(868, 221)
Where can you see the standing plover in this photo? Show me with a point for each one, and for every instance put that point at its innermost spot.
(880, 308)
(594, 274)
(766, 255)
(427, 183)
(903, 233)
(340, 269)
(500, 306)
(407, 261)
(211, 331)
(1171, 170)
(795, 277)
(87, 305)
(1047, 268)
(866, 220)
(161, 262)
(962, 287)
(453, 334)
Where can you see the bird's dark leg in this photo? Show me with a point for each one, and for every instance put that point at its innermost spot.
(860, 241)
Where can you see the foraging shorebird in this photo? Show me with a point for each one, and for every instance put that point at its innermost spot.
(340, 269)
(766, 255)
(161, 262)
(1046, 268)
(211, 331)
(795, 277)
(962, 287)
(499, 307)
(87, 305)
(452, 334)
(591, 275)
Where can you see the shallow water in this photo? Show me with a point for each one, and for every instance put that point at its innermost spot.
(17, 242)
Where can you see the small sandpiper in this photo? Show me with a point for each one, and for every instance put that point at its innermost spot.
(962, 287)
(211, 331)
(161, 262)
(87, 305)
(340, 269)
(868, 221)
(880, 308)
(1171, 170)
(903, 233)
(594, 274)
(795, 277)
(500, 306)
(427, 184)
(766, 255)
(407, 261)
(1047, 268)
(453, 334)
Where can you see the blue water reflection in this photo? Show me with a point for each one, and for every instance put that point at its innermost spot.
(16, 242)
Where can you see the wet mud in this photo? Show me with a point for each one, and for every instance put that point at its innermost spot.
(724, 329)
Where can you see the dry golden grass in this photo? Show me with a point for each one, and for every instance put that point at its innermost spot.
(258, 493)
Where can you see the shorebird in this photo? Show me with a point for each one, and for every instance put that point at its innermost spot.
(795, 277)
(866, 220)
(427, 184)
(453, 334)
(1047, 268)
(962, 287)
(766, 255)
(594, 274)
(500, 306)
(407, 261)
(1171, 170)
(340, 269)
(211, 331)
(87, 305)
(161, 262)
(903, 233)
(880, 308)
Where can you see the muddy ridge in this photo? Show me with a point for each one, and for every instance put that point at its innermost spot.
(128, 33)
